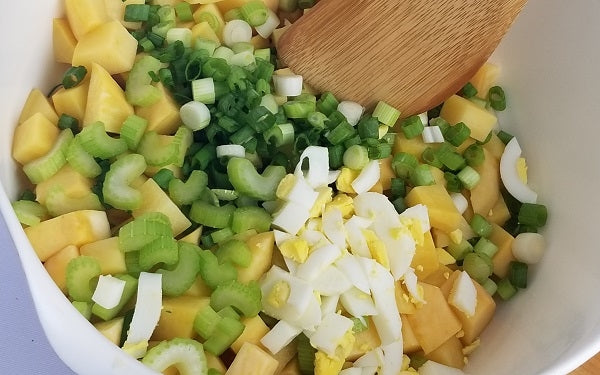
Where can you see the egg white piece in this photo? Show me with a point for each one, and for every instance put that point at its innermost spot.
(464, 294)
(301, 192)
(331, 281)
(291, 217)
(369, 370)
(280, 336)
(356, 239)
(351, 371)
(311, 317)
(352, 268)
(372, 358)
(417, 212)
(368, 177)
(330, 332)
(281, 237)
(359, 221)
(329, 304)
(298, 300)
(358, 303)
(317, 261)
(392, 358)
(377, 207)
(314, 238)
(317, 174)
(400, 248)
(333, 226)
(333, 175)
(383, 290)
(434, 368)
(291, 264)
(410, 280)
(108, 291)
(510, 176)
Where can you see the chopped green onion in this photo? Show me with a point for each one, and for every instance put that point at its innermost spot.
(299, 109)
(403, 164)
(207, 45)
(243, 297)
(116, 190)
(457, 134)
(477, 267)
(497, 98)
(68, 122)
(73, 76)
(398, 187)
(469, 90)
(532, 214)
(212, 20)
(136, 12)
(504, 136)
(306, 355)
(355, 140)
(327, 103)
(342, 132)
(132, 131)
(236, 31)
(336, 156)
(246, 180)
(216, 66)
(81, 160)
(368, 127)
(229, 151)
(263, 53)
(163, 177)
(254, 12)
(399, 204)
(46, 166)
(474, 155)
(412, 126)
(195, 115)
(279, 135)
(80, 274)
(386, 114)
(439, 122)
(422, 176)
(243, 59)
(243, 47)
(481, 226)
(203, 90)
(356, 157)
(243, 135)
(223, 53)
(268, 101)
(184, 12)
(468, 177)
(459, 250)
(505, 289)
(453, 184)
(430, 157)
(380, 150)
(486, 247)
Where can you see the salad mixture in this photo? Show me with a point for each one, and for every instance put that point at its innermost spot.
(210, 213)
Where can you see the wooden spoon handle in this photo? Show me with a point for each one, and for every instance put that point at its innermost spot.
(413, 54)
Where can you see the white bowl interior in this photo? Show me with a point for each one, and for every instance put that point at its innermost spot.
(549, 61)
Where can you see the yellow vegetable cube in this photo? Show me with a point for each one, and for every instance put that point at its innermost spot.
(56, 265)
(458, 109)
(193, 237)
(499, 214)
(442, 212)
(252, 360)
(364, 341)
(115, 10)
(285, 356)
(109, 255)
(213, 13)
(485, 194)
(439, 277)
(386, 173)
(75, 228)
(156, 200)
(495, 146)
(261, 246)
(433, 323)
(63, 41)
(292, 368)
(403, 301)
(111, 329)
(106, 101)
(33, 138)
(414, 146)
(501, 260)
(73, 183)
(204, 31)
(163, 116)
(85, 15)
(72, 101)
(38, 103)
(212, 361)
(177, 317)
(425, 261)
(254, 330)
(110, 45)
(449, 353)
(485, 78)
(408, 336)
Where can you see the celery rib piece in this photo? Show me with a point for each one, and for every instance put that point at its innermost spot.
(226, 332)
(245, 218)
(29, 212)
(138, 89)
(160, 150)
(133, 130)
(244, 297)
(247, 181)
(212, 216)
(206, 321)
(179, 279)
(162, 250)
(46, 166)
(213, 273)
(234, 251)
(81, 160)
(116, 189)
(98, 143)
(128, 292)
(187, 355)
(59, 203)
(142, 230)
(183, 193)
(81, 272)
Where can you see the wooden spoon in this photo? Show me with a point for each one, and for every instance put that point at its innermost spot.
(413, 54)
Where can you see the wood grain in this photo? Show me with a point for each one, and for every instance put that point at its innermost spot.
(591, 367)
(411, 53)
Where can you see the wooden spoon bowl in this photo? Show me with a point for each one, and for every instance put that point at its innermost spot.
(413, 54)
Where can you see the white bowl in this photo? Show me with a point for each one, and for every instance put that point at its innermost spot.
(549, 60)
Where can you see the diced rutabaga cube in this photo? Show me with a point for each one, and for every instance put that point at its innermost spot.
(458, 109)
(63, 41)
(84, 15)
(33, 138)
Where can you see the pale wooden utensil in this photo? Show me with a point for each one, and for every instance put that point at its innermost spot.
(412, 54)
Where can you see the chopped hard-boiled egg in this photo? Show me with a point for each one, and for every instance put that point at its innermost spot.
(463, 294)
(509, 173)
(295, 248)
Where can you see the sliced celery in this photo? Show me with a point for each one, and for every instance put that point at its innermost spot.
(128, 292)
(179, 279)
(221, 235)
(59, 203)
(81, 160)
(250, 217)
(163, 250)
(29, 212)
(230, 312)
(187, 355)
(183, 193)
(98, 143)
(243, 297)
(116, 189)
(46, 166)
(213, 273)
(85, 308)
(159, 150)
(132, 131)
(226, 332)
(212, 216)
(138, 89)
(234, 251)
(81, 272)
(143, 230)
(206, 321)
(246, 180)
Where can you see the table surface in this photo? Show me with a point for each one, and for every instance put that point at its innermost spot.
(24, 348)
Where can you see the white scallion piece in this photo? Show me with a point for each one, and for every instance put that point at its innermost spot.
(424, 118)
(145, 315)
(236, 31)
(317, 174)
(351, 110)
(224, 53)
(203, 90)
(368, 177)
(268, 101)
(463, 294)
(231, 151)
(195, 115)
(291, 217)
(510, 175)
(108, 291)
(266, 29)
(460, 202)
(280, 336)
(329, 333)
(288, 85)
(528, 247)
(244, 58)
(182, 34)
(438, 136)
